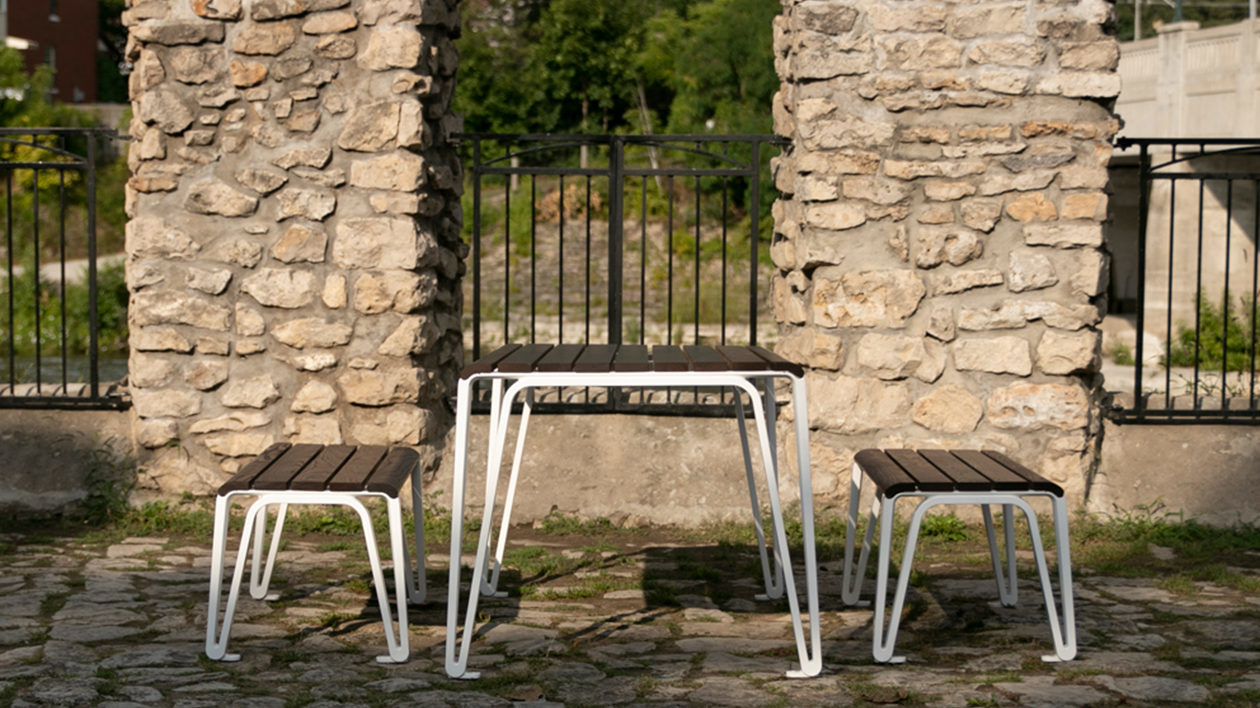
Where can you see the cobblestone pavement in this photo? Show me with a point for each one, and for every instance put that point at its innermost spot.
(117, 624)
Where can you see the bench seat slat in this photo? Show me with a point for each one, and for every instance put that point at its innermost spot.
(705, 358)
(560, 358)
(354, 475)
(632, 357)
(669, 358)
(743, 358)
(525, 359)
(1000, 477)
(316, 475)
(778, 363)
(487, 363)
(964, 475)
(1031, 479)
(278, 475)
(925, 474)
(596, 358)
(886, 474)
(244, 479)
(394, 471)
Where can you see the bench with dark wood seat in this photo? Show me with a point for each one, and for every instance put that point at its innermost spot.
(319, 474)
(523, 368)
(939, 477)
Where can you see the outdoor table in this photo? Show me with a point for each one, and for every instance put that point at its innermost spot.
(522, 368)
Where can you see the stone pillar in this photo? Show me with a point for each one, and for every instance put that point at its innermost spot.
(293, 244)
(939, 238)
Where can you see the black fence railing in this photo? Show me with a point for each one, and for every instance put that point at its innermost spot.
(1197, 280)
(50, 341)
(618, 239)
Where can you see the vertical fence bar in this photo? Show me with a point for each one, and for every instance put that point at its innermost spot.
(643, 249)
(754, 238)
(669, 268)
(695, 300)
(507, 253)
(1168, 333)
(533, 257)
(93, 326)
(8, 234)
(39, 339)
(61, 242)
(615, 214)
(1225, 307)
(476, 249)
(1255, 284)
(588, 259)
(725, 235)
(1198, 295)
(560, 269)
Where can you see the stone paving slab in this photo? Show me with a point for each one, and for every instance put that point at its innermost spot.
(123, 625)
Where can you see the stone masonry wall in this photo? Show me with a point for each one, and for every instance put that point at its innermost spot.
(939, 240)
(293, 244)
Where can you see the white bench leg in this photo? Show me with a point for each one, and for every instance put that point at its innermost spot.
(490, 588)
(773, 578)
(417, 581)
(260, 581)
(1064, 634)
(1008, 591)
(811, 660)
(457, 661)
(216, 639)
(851, 581)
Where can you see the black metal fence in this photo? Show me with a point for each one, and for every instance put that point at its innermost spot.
(1198, 220)
(51, 321)
(648, 239)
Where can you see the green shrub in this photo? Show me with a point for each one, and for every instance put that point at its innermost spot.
(111, 307)
(1226, 339)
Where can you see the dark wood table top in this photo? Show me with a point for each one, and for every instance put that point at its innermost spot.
(605, 358)
(334, 468)
(902, 471)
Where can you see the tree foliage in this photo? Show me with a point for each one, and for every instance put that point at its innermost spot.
(615, 66)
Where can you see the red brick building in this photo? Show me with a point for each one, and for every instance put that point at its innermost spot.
(65, 37)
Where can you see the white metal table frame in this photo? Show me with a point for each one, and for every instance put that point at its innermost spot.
(407, 578)
(882, 508)
(485, 580)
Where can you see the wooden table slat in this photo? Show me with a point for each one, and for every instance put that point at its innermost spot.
(487, 363)
(393, 472)
(243, 479)
(358, 469)
(925, 474)
(778, 363)
(524, 360)
(595, 358)
(278, 475)
(560, 358)
(743, 358)
(632, 357)
(314, 477)
(963, 474)
(705, 358)
(886, 474)
(669, 358)
(1000, 477)
(1031, 479)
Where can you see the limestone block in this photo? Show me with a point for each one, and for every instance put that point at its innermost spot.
(948, 409)
(261, 181)
(856, 405)
(146, 10)
(334, 293)
(336, 47)
(217, 97)
(936, 214)
(312, 333)
(1015, 314)
(404, 203)
(1068, 352)
(964, 280)
(276, 287)
(1000, 181)
(211, 282)
(147, 73)
(268, 39)
(819, 61)
(1089, 205)
(217, 9)
(906, 18)
(815, 248)
(234, 421)
(327, 178)
(876, 190)
(300, 243)
(816, 188)
(825, 18)
(329, 23)
(1081, 84)
(217, 346)
(236, 250)
(316, 157)
(941, 323)
(1030, 269)
(952, 169)
(412, 336)
(878, 298)
(314, 397)
(237, 444)
(997, 355)
(835, 216)
(391, 47)
(1039, 158)
(290, 67)
(304, 121)
(1091, 276)
(366, 387)
(400, 170)
(928, 51)
(969, 22)
(398, 290)
(948, 191)
(245, 347)
(151, 237)
(206, 375)
(315, 361)
(380, 242)
(813, 347)
(1063, 235)
(951, 244)
(249, 321)
(159, 339)
(371, 128)
(217, 197)
(1023, 52)
(196, 65)
(314, 429)
(145, 371)
(247, 73)
(1036, 406)
(844, 131)
(311, 204)
(165, 109)
(891, 357)
(1032, 207)
(981, 214)
(170, 307)
(1083, 177)
(789, 303)
(1008, 81)
(176, 33)
(156, 432)
(899, 243)
(253, 392)
(165, 403)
